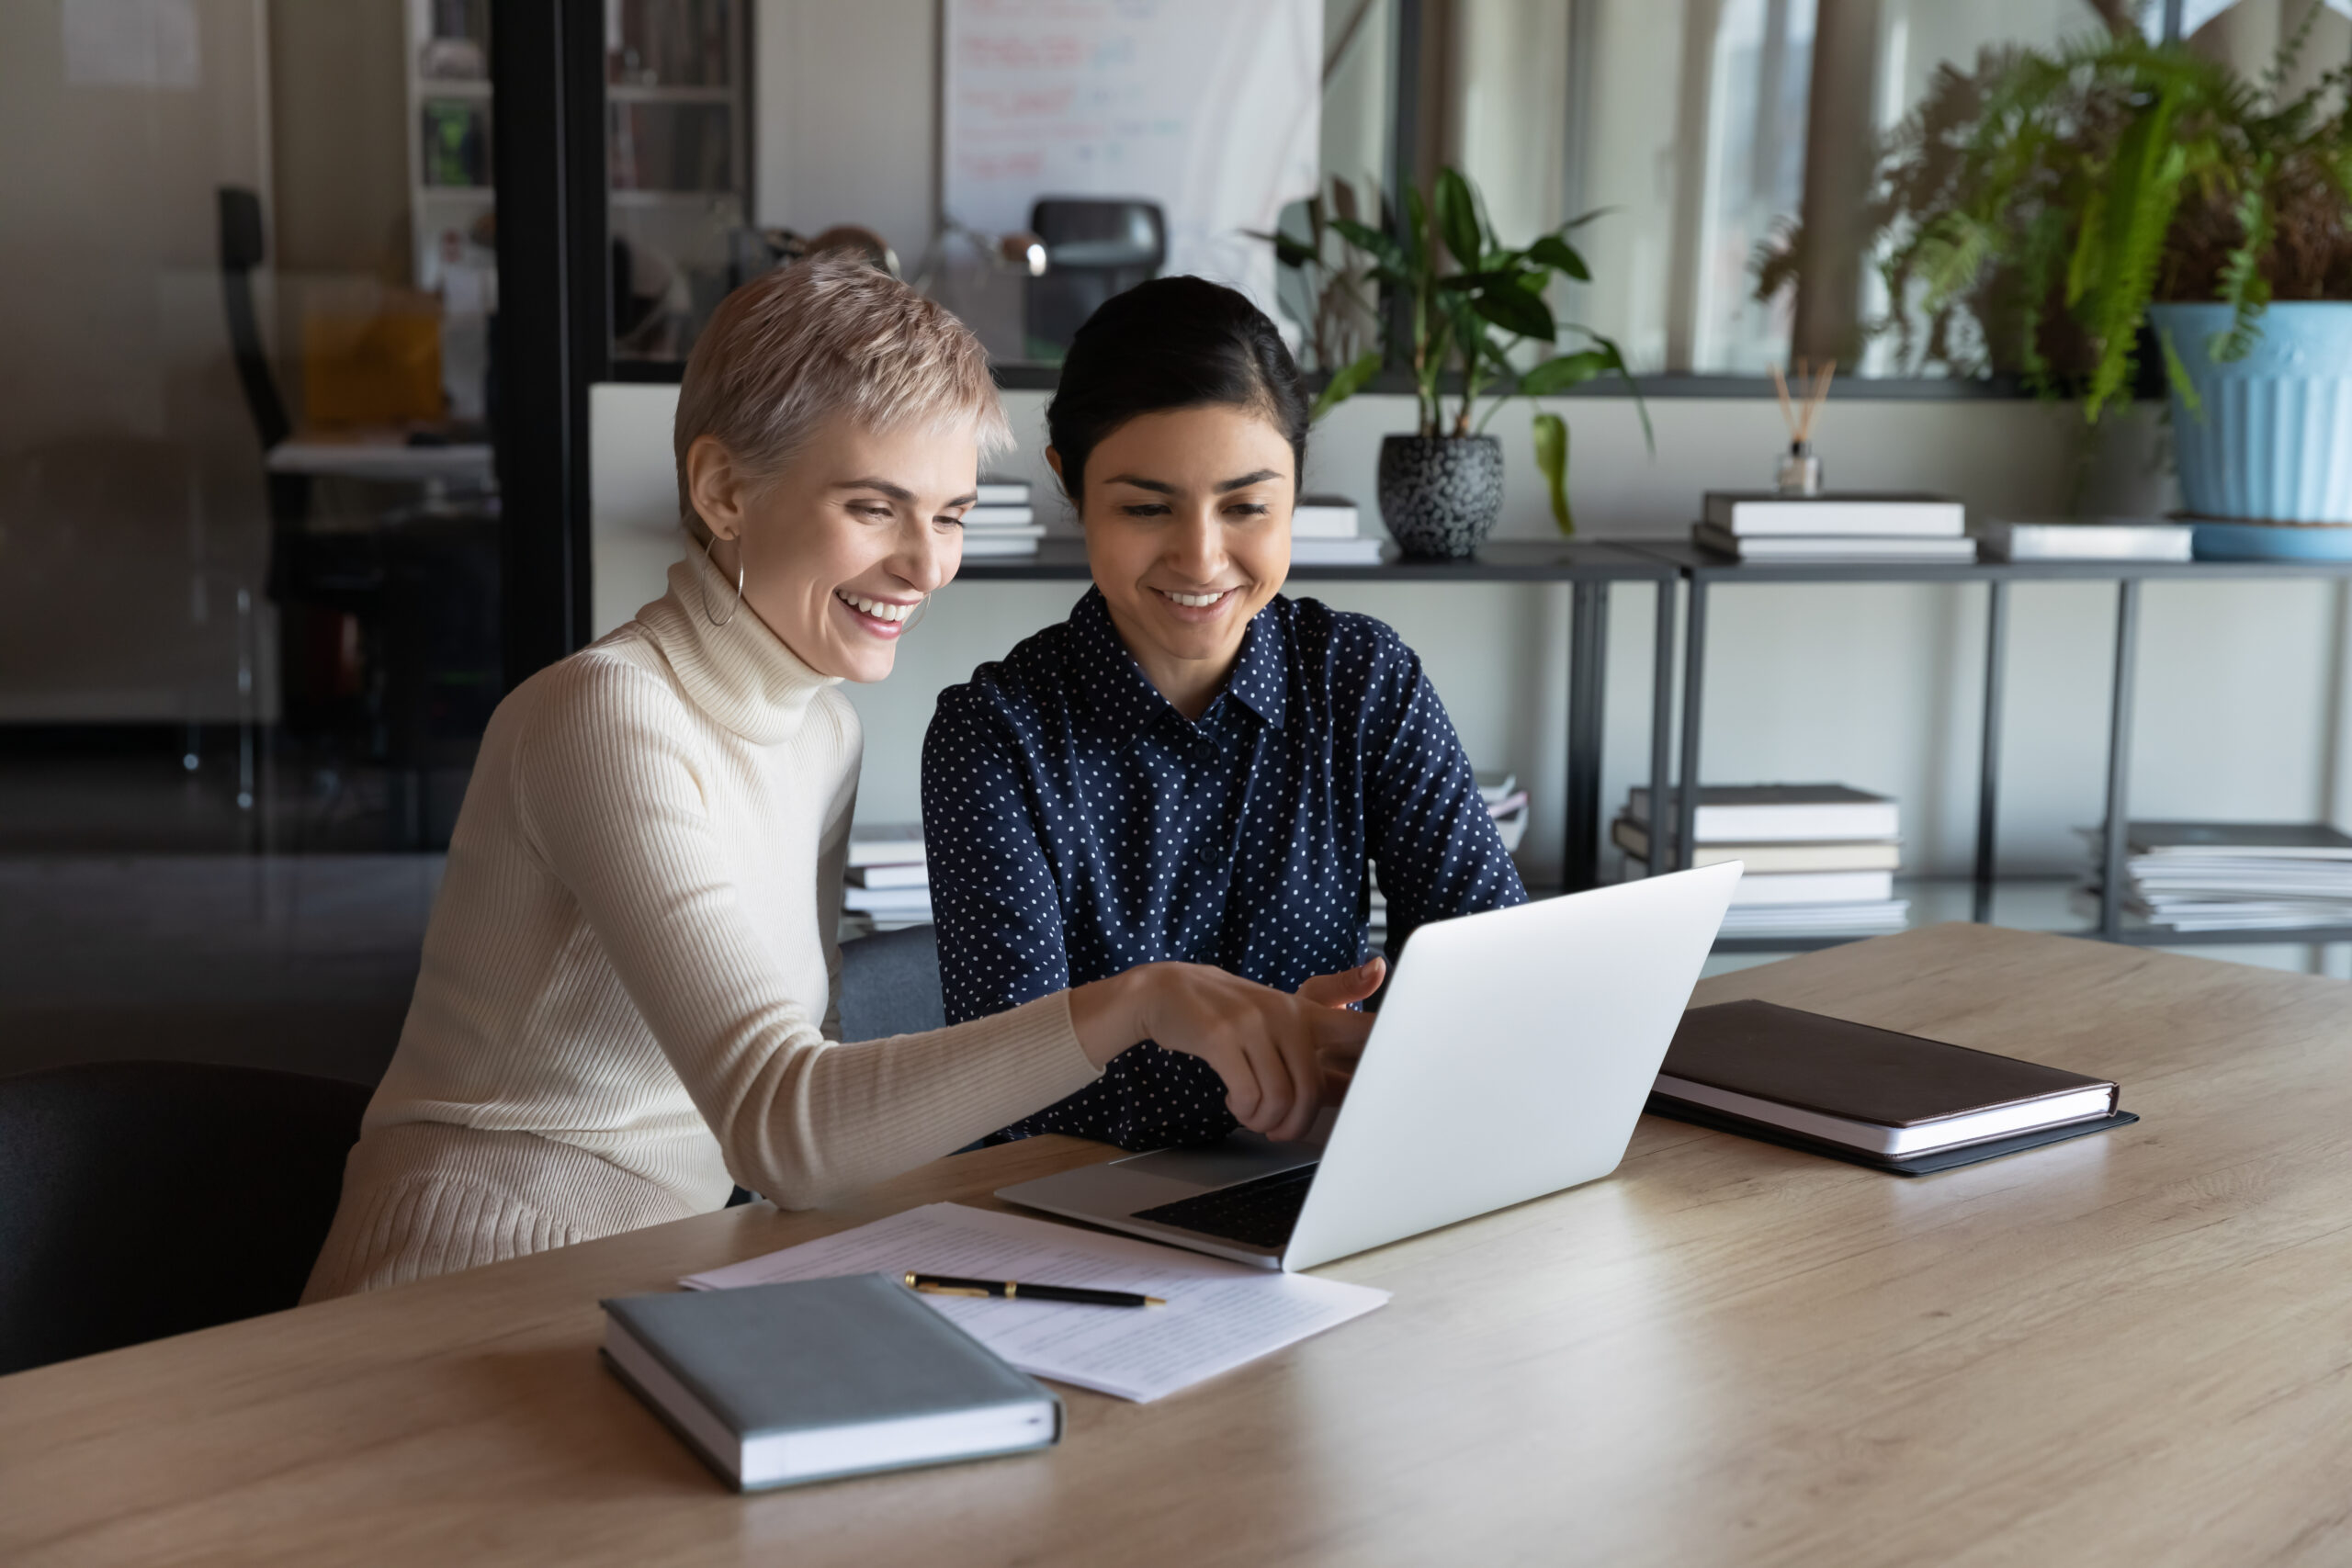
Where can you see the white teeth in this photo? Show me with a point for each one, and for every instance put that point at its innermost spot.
(876, 608)
(1194, 600)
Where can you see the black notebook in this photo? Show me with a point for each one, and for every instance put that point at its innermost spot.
(1894, 1101)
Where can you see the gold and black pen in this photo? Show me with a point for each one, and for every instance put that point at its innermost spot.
(1013, 1289)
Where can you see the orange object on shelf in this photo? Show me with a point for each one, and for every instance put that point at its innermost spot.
(382, 368)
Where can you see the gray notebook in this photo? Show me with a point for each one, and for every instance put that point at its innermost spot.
(777, 1384)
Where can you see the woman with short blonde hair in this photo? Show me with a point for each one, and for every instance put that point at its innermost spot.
(629, 997)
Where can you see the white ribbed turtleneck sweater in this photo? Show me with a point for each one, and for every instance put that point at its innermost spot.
(630, 975)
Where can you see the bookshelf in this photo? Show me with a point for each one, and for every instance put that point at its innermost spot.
(1587, 566)
(447, 72)
(1703, 571)
(677, 162)
(677, 152)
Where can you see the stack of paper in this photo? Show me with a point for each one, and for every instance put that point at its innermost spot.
(1218, 1314)
(2217, 876)
(1820, 858)
(889, 880)
(1002, 522)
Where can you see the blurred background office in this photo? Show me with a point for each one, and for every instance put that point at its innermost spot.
(303, 462)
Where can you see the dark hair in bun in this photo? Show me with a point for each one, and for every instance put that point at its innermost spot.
(1173, 343)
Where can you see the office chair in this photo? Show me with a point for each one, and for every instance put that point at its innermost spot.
(1094, 248)
(316, 580)
(240, 252)
(144, 1199)
(890, 984)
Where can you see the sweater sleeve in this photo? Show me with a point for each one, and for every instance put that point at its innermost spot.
(832, 864)
(607, 776)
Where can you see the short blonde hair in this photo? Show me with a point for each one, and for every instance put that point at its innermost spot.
(830, 337)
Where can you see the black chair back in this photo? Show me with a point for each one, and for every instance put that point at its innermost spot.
(240, 252)
(890, 985)
(1094, 248)
(144, 1199)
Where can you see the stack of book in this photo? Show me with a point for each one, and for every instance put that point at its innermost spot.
(2222, 876)
(1820, 858)
(1323, 531)
(1764, 525)
(1003, 521)
(1506, 802)
(890, 880)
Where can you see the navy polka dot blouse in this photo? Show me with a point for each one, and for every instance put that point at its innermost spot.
(1078, 825)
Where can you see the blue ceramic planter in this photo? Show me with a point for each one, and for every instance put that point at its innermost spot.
(2268, 457)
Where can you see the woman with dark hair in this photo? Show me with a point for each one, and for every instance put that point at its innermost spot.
(1190, 766)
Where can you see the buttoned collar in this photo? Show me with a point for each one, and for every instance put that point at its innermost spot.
(1128, 701)
(739, 673)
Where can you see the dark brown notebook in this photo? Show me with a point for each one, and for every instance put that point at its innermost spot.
(1887, 1099)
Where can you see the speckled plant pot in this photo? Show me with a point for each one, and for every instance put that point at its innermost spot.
(1441, 494)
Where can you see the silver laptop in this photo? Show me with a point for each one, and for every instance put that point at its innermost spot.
(1510, 1059)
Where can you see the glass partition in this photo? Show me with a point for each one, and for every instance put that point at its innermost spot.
(676, 166)
(249, 560)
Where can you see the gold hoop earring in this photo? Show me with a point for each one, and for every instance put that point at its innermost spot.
(721, 620)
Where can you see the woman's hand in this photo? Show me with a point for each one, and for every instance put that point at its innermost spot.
(1348, 986)
(1271, 1049)
(1344, 989)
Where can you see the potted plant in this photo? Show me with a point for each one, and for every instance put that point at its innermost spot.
(1469, 308)
(2068, 215)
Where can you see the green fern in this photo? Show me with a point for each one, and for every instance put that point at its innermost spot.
(2028, 212)
(2244, 288)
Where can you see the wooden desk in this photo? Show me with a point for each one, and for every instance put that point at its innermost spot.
(2126, 1349)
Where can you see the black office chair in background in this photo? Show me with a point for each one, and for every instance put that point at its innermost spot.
(320, 583)
(145, 1199)
(1094, 248)
(890, 985)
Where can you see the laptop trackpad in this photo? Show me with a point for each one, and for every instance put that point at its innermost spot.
(1244, 1156)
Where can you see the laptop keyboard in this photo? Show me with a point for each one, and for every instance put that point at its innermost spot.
(1257, 1212)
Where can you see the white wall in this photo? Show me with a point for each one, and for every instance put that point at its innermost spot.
(2241, 685)
(847, 100)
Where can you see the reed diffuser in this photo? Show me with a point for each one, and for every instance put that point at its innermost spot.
(1799, 469)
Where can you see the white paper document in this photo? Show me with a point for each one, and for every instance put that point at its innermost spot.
(1218, 1314)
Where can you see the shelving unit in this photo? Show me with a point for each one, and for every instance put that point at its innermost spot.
(677, 160)
(447, 35)
(1587, 566)
(1701, 571)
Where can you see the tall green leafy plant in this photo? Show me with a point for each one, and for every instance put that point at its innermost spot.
(1468, 310)
(2029, 212)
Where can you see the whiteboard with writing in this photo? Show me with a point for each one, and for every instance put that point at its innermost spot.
(1209, 107)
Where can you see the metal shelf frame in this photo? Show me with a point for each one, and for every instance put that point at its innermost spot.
(1703, 570)
(1587, 566)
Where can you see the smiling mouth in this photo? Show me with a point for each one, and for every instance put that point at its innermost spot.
(877, 609)
(1195, 601)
